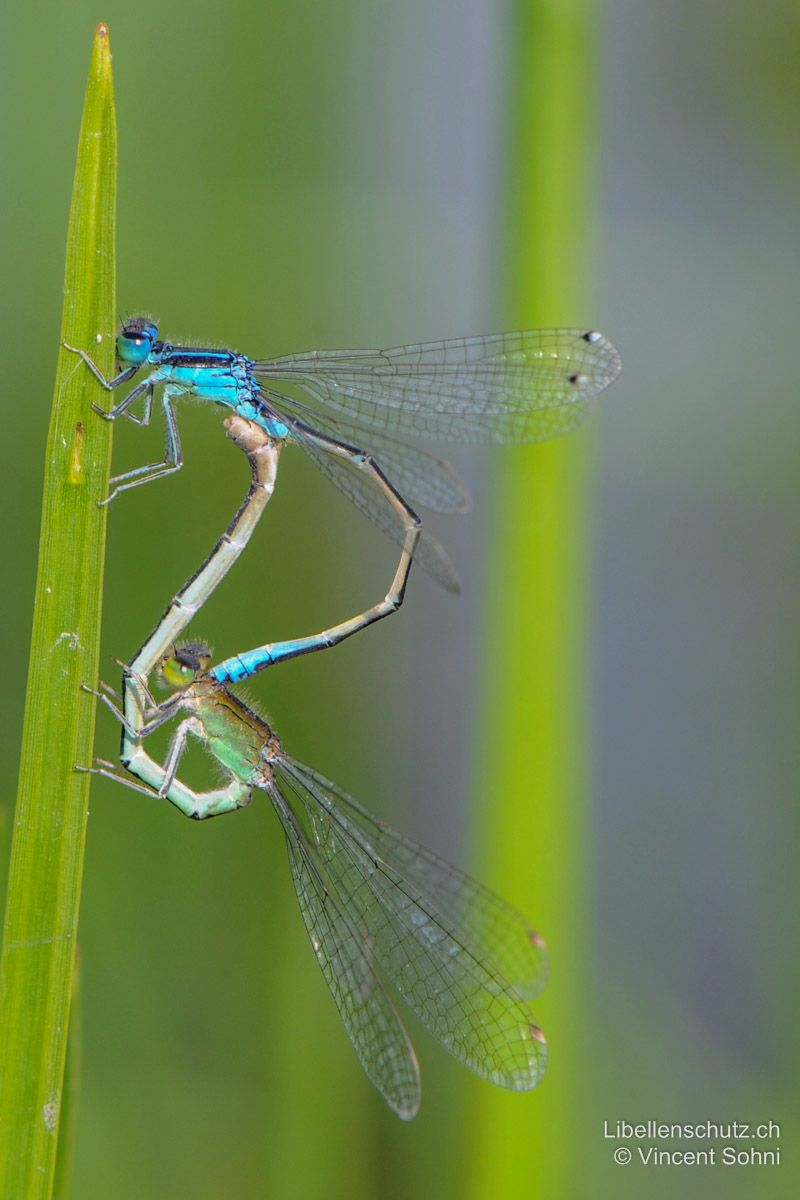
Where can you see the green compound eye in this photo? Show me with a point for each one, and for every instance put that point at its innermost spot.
(181, 668)
(175, 674)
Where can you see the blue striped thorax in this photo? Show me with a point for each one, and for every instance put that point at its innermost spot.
(221, 376)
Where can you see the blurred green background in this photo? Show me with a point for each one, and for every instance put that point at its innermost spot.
(348, 174)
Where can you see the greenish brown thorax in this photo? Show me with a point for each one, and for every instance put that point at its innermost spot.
(235, 735)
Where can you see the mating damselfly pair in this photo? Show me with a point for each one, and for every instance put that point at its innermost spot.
(378, 907)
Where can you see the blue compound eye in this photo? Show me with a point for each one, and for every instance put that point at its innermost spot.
(135, 340)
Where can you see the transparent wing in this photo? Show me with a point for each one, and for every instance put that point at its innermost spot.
(496, 932)
(363, 492)
(426, 932)
(423, 478)
(503, 387)
(342, 950)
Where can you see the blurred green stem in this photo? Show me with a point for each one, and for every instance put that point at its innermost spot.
(36, 970)
(532, 740)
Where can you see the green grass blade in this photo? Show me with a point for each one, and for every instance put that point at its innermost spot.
(50, 822)
(533, 729)
(68, 1117)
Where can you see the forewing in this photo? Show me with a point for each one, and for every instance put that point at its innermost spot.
(504, 387)
(418, 939)
(342, 949)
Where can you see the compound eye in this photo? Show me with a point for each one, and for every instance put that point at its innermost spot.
(132, 350)
(136, 340)
(175, 673)
(187, 660)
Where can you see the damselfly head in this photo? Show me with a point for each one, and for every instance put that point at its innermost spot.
(135, 340)
(181, 667)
